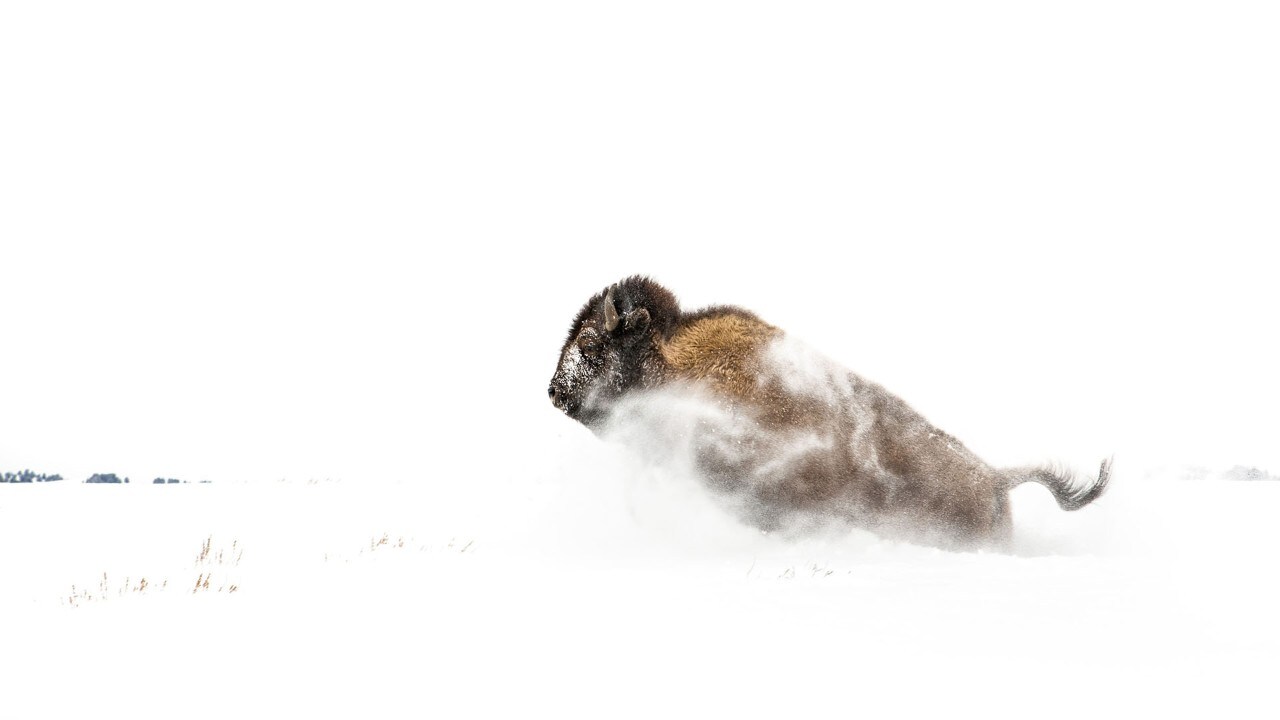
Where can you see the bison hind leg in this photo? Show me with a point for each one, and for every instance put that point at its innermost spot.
(1001, 536)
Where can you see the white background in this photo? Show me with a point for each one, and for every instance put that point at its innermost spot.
(272, 240)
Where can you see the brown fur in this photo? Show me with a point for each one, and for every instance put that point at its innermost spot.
(720, 348)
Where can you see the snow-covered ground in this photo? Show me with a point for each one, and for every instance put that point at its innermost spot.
(617, 593)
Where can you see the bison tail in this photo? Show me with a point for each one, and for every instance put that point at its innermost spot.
(1069, 494)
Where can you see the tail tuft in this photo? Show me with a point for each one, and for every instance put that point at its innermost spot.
(1063, 484)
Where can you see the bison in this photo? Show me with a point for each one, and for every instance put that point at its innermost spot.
(786, 438)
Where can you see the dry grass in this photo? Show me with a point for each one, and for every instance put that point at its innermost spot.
(214, 568)
(106, 589)
(386, 541)
(214, 565)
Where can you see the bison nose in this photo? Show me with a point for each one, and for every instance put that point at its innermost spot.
(554, 394)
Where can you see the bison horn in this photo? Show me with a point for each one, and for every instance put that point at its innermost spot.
(610, 312)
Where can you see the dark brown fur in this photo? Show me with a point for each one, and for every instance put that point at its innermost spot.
(877, 463)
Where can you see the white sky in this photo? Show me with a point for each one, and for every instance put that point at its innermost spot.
(259, 240)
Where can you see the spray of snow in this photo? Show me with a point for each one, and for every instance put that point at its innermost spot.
(804, 371)
(694, 464)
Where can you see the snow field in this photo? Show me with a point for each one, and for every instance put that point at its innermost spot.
(612, 595)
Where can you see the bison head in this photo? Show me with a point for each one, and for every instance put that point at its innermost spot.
(609, 348)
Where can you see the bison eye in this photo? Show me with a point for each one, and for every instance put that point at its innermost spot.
(592, 347)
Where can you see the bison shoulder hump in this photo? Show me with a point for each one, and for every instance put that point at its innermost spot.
(719, 344)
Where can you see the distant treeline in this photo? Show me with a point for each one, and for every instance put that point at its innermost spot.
(27, 476)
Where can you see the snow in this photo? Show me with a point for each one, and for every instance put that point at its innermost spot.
(324, 256)
(583, 591)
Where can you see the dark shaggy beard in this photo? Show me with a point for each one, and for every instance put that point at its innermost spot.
(595, 420)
